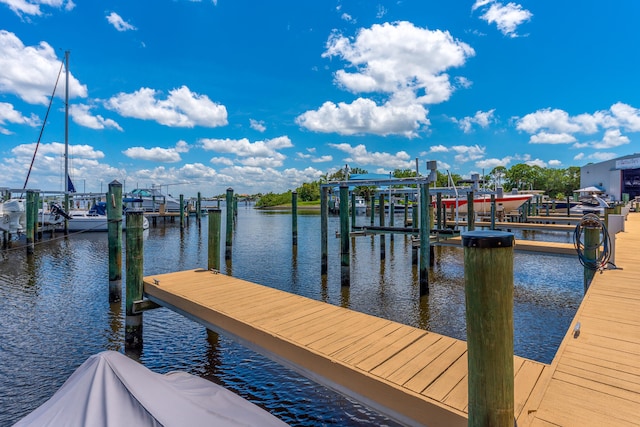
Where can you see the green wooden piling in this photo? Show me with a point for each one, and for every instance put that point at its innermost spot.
(235, 207)
(406, 209)
(488, 272)
(229, 235)
(324, 227)
(294, 218)
(392, 212)
(114, 231)
(373, 209)
(439, 209)
(353, 210)
(493, 211)
(345, 270)
(471, 215)
(215, 219)
(199, 208)
(30, 208)
(37, 234)
(134, 264)
(383, 242)
(414, 216)
(424, 239)
(182, 211)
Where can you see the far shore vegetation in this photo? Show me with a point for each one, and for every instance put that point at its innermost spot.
(554, 183)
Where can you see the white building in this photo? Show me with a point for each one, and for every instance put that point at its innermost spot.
(615, 177)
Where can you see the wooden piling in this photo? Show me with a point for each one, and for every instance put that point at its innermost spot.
(590, 253)
(392, 212)
(324, 240)
(114, 231)
(182, 211)
(373, 210)
(30, 208)
(294, 218)
(229, 235)
(199, 208)
(381, 223)
(134, 266)
(406, 209)
(353, 210)
(215, 219)
(471, 216)
(37, 234)
(345, 270)
(493, 211)
(488, 272)
(439, 210)
(424, 239)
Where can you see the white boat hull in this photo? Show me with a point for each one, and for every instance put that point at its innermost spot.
(482, 204)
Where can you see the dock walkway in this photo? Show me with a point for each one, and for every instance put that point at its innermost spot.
(415, 376)
(594, 380)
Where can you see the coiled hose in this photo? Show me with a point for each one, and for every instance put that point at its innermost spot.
(602, 248)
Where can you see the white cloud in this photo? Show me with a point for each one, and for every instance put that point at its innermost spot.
(626, 116)
(9, 115)
(364, 116)
(32, 7)
(468, 152)
(221, 161)
(601, 157)
(406, 63)
(257, 125)
(322, 159)
(556, 121)
(537, 162)
(81, 114)
(266, 149)
(182, 108)
(158, 154)
(348, 18)
(489, 164)
(552, 138)
(30, 72)
(481, 118)
(359, 156)
(612, 138)
(506, 17)
(438, 149)
(119, 23)
(555, 163)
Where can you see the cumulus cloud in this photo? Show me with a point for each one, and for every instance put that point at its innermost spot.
(257, 125)
(481, 118)
(360, 156)
(81, 114)
(32, 7)
(181, 108)
(9, 115)
(507, 17)
(119, 23)
(467, 153)
(57, 149)
(612, 138)
(30, 72)
(405, 63)
(489, 164)
(259, 154)
(158, 154)
(552, 138)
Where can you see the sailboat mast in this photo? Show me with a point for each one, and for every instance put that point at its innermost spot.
(66, 129)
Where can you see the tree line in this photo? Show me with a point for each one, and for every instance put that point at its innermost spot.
(555, 183)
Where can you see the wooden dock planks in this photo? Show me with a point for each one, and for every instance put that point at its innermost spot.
(594, 379)
(415, 376)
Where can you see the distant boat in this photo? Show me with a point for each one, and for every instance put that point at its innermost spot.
(95, 219)
(482, 203)
(152, 199)
(592, 204)
(361, 206)
(12, 215)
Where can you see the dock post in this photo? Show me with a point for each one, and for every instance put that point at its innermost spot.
(37, 233)
(392, 209)
(591, 252)
(294, 218)
(199, 208)
(471, 215)
(373, 209)
(425, 252)
(488, 272)
(353, 210)
(114, 229)
(439, 210)
(134, 264)
(568, 206)
(493, 211)
(229, 235)
(324, 234)
(345, 273)
(406, 209)
(414, 216)
(381, 219)
(215, 219)
(182, 211)
(30, 208)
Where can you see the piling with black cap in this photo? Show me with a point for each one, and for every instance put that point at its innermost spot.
(425, 251)
(213, 240)
(229, 231)
(294, 218)
(114, 230)
(324, 230)
(134, 285)
(345, 269)
(488, 272)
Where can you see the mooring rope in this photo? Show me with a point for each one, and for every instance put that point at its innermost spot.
(603, 255)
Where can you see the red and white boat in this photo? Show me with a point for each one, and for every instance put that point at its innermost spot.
(482, 203)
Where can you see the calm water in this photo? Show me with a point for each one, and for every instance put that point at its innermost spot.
(54, 309)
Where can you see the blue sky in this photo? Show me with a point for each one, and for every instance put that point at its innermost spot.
(263, 96)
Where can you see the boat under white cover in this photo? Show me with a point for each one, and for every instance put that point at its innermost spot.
(109, 389)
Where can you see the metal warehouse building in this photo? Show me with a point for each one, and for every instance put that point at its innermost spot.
(615, 177)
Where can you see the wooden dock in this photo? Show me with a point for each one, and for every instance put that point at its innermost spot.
(414, 376)
(419, 377)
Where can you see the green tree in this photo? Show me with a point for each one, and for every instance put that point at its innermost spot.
(309, 191)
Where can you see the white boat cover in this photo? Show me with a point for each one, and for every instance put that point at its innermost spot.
(109, 389)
